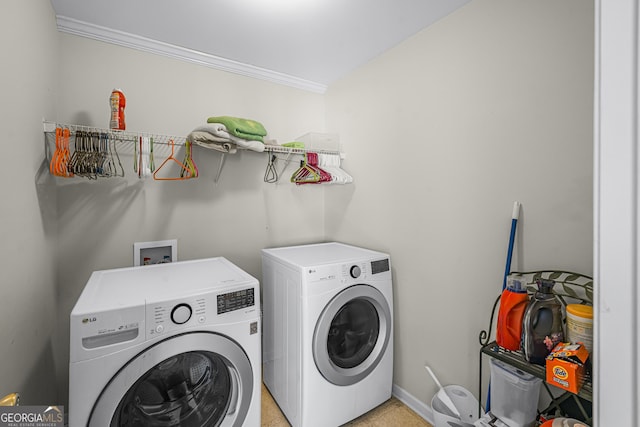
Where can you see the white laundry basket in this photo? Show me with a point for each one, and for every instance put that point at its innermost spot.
(466, 404)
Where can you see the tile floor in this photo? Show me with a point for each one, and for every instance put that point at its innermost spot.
(392, 413)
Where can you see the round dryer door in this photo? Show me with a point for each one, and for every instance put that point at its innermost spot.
(352, 334)
(191, 380)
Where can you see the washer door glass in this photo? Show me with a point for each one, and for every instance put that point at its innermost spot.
(352, 334)
(191, 390)
(192, 380)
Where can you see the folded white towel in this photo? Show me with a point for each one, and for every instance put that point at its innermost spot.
(220, 130)
(209, 140)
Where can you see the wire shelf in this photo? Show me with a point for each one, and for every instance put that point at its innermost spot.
(118, 135)
(288, 150)
(127, 141)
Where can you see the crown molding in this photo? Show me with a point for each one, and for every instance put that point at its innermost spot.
(108, 35)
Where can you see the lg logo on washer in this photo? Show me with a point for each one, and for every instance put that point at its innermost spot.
(89, 319)
(318, 274)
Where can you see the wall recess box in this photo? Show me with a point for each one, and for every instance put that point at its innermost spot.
(163, 251)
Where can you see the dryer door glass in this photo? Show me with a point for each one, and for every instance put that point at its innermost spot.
(353, 333)
(190, 389)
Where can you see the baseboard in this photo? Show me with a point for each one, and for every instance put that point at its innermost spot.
(416, 405)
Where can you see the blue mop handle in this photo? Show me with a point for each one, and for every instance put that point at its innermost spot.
(512, 238)
(507, 270)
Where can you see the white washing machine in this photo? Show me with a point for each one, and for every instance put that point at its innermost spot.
(174, 344)
(327, 331)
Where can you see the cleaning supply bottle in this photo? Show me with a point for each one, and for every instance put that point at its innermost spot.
(117, 102)
(541, 324)
(513, 302)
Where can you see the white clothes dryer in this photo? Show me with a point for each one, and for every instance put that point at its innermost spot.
(327, 331)
(174, 344)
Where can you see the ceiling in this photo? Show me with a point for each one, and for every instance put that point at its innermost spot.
(302, 43)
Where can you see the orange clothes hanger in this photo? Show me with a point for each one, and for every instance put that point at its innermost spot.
(185, 172)
(61, 156)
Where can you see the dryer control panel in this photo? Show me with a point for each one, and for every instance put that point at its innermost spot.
(365, 269)
(380, 266)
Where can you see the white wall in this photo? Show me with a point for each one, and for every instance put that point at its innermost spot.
(100, 221)
(28, 45)
(490, 105)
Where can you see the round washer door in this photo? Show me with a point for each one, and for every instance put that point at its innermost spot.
(352, 334)
(191, 380)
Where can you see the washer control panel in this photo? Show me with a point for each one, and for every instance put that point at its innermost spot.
(236, 300)
(167, 316)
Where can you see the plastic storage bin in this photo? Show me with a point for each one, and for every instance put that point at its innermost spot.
(514, 395)
(320, 141)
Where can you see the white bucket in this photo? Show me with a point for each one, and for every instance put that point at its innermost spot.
(466, 404)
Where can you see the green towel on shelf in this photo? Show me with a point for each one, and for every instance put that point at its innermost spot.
(242, 128)
(294, 144)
